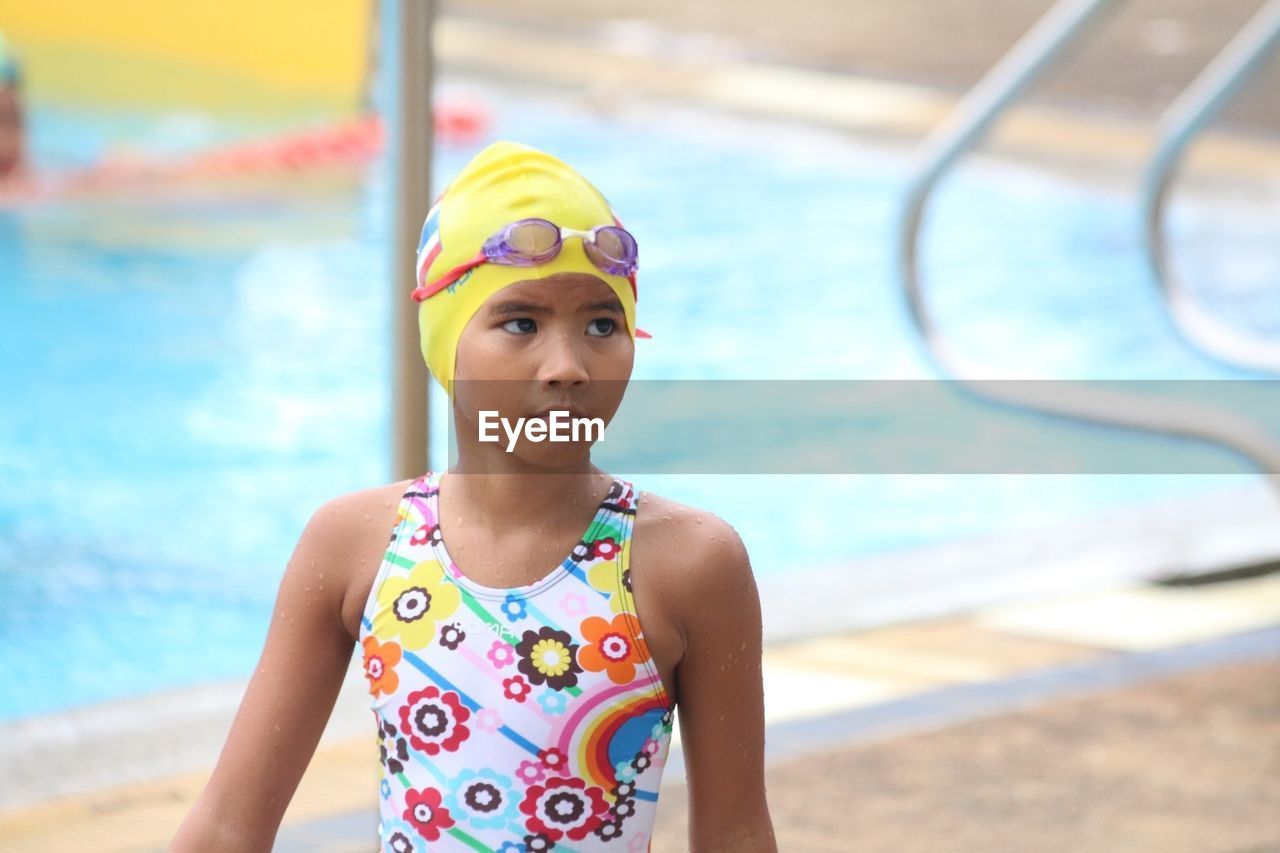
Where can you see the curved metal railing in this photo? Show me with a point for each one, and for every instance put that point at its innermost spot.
(963, 128)
(1195, 108)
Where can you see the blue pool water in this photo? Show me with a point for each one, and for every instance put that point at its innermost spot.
(187, 378)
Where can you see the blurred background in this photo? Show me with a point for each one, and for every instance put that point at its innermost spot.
(197, 303)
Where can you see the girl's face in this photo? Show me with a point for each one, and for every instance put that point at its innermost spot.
(554, 343)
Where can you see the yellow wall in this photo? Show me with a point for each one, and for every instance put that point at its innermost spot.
(242, 55)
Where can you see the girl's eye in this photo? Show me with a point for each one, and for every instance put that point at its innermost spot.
(609, 326)
(523, 326)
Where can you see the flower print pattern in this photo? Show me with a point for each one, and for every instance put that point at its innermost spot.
(417, 602)
(605, 549)
(564, 806)
(623, 808)
(485, 700)
(380, 661)
(516, 688)
(514, 608)
(530, 771)
(488, 720)
(552, 759)
(610, 647)
(603, 577)
(538, 842)
(451, 635)
(573, 604)
(553, 701)
(434, 720)
(393, 750)
(426, 813)
(421, 535)
(482, 799)
(402, 522)
(549, 656)
(399, 837)
(617, 495)
(609, 830)
(501, 654)
(624, 771)
(582, 551)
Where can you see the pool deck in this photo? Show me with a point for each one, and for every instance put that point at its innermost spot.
(860, 67)
(1134, 60)
(1085, 696)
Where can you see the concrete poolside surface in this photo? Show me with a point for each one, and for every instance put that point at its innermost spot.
(1134, 60)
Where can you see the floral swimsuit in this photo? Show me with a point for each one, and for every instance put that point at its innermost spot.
(521, 719)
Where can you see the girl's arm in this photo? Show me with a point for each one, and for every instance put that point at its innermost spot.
(287, 703)
(721, 696)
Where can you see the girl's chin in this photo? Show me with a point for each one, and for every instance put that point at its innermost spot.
(552, 456)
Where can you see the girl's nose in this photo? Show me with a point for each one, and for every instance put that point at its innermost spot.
(563, 361)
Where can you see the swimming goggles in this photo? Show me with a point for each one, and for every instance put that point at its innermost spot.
(529, 242)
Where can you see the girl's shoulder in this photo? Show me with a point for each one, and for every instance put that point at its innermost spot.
(686, 538)
(686, 557)
(365, 519)
(661, 511)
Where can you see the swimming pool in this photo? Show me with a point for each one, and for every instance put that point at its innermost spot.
(188, 378)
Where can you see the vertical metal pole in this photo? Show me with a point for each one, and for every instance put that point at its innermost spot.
(407, 57)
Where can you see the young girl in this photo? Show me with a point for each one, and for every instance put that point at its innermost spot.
(534, 622)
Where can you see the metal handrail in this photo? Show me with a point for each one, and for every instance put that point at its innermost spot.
(966, 124)
(1195, 108)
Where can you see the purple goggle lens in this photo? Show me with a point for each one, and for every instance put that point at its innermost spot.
(530, 242)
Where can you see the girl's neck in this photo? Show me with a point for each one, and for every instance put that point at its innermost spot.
(505, 498)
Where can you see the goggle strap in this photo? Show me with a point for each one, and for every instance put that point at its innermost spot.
(426, 291)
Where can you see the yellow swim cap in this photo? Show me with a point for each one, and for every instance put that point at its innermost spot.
(504, 183)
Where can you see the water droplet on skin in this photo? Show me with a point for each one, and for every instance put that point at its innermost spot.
(368, 517)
